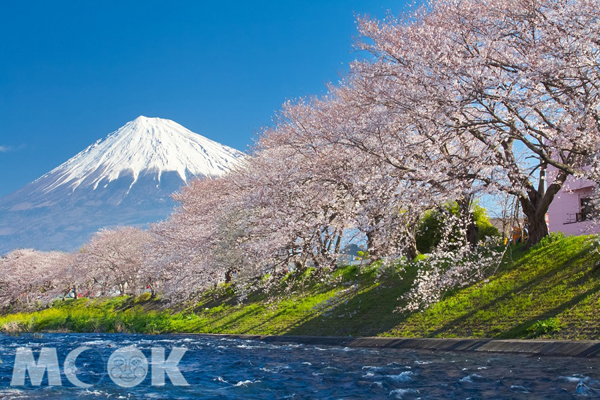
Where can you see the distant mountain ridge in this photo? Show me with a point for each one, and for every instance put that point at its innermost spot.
(124, 179)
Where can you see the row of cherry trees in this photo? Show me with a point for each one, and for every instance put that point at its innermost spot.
(459, 98)
(112, 263)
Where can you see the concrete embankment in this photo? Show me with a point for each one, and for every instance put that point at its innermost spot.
(582, 348)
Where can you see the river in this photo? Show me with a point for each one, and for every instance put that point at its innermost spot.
(222, 368)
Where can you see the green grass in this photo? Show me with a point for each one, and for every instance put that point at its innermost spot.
(558, 282)
(551, 291)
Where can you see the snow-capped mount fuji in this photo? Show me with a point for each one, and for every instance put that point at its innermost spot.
(142, 146)
(124, 179)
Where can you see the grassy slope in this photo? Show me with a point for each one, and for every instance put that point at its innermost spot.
(558, 283)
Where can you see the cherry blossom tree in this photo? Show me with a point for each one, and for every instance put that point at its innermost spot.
(181, 254)
(338, 139)
(499, 91)
(114, 259)
(28, 276)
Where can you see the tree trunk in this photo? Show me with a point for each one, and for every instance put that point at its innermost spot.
(536, 222)
(411, 251)
(472, 234)
(537, 229)
(338, 243)
(535, 206)
(371, 249)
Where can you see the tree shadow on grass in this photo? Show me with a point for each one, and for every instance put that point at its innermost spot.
(367, 313)
(272, 330)
(148, 305)
(508, 295)
(372, 312)
(521, 330)
(222, 323)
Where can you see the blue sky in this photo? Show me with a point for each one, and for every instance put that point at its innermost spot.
(72, 72)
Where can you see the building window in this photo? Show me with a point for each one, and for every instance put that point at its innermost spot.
(586, 209)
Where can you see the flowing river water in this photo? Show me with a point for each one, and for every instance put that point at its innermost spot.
(222, 368)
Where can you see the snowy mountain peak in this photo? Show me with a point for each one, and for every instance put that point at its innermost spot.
(126, 178)
(142, 146)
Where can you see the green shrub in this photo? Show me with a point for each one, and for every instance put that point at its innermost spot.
(429, 232)
(308, 272)
(544, 327)
(548, 240)
(143, 297)
(362, 255)
(486, 229)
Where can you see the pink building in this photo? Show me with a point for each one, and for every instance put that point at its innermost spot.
(570, 211)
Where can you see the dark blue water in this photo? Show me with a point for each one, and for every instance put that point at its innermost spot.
(235, 369)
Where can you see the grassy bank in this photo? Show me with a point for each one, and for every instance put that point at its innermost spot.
(551, 291)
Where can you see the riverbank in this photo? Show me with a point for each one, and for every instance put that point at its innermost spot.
(549, 292)
(546, 348)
